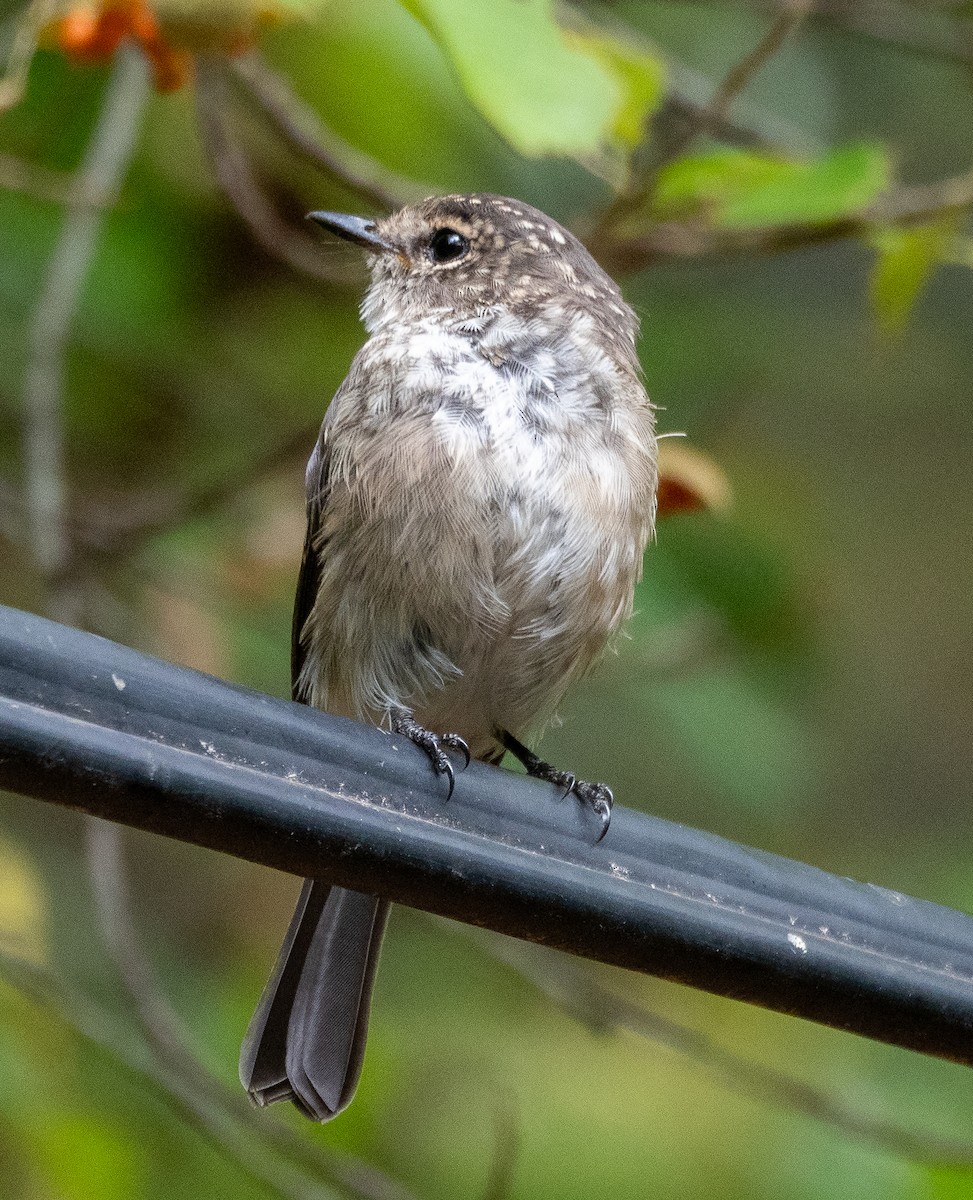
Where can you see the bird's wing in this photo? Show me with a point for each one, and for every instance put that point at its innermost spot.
(316, 487)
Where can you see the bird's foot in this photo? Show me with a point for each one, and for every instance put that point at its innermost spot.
(599, 798)
(434, 744)
(596, 796)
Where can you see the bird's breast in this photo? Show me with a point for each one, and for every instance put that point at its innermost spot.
(485, 525)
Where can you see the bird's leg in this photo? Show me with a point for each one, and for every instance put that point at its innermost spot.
(434, 744)
(597, 796)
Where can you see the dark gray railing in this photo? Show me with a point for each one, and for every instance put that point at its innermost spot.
(94, 726)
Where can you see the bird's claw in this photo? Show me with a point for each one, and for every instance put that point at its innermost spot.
(445, 767)
(433, 744)
(599, 798)
(596, 796)
(455, 742)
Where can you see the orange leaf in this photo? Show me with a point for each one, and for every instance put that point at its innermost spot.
(170, 65)
(689, 481)
(91, 36)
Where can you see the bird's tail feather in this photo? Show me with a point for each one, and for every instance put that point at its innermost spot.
(306, 1040)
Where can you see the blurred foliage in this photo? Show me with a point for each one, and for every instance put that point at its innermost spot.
(746, 190)
(798, 670)
(906, 259)
(548, 92)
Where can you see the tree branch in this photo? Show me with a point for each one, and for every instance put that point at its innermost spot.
(26, 30)
(237, 181)
(302, 129)
(41, 183)
(675, 138)
(904, 206)
(99, 179)
(576, 990)
(938, 30)
(739, 77)
(276, 1158)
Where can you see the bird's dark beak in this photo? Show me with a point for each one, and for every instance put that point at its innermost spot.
(360, 230)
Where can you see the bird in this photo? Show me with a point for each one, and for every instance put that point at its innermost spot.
(479, 502)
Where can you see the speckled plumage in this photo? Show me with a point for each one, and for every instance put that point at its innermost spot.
(479, 501)
(484, 480)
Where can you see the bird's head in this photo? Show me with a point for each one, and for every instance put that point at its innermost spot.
(467, 254)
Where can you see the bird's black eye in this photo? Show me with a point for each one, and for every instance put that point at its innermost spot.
(445, 245)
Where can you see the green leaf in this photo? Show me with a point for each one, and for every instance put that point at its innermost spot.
(838, 185)
(906, 260)
(737, 189)
(546, 89)
(709, 180)
(643, 78)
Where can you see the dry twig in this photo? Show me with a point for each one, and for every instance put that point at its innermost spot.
(575, 988)
(170, 1044)
(236, 179)
(303, 130)
(99, 180)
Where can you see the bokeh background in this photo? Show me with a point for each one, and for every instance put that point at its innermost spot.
(798, 672)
